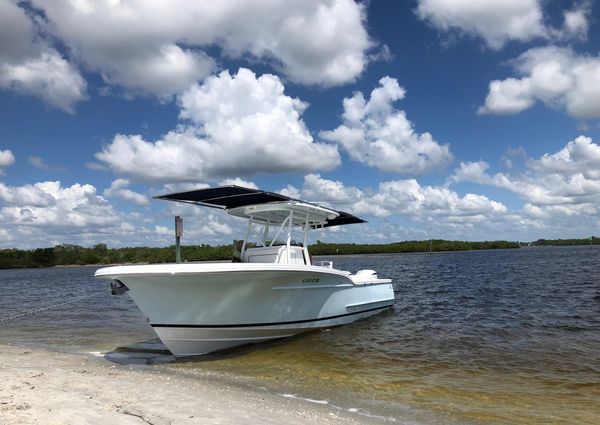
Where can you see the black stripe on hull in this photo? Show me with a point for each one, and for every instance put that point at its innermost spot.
(251, 325)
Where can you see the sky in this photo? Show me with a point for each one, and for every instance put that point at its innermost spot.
(446, 119)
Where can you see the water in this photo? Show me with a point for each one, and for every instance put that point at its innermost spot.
(487, 337)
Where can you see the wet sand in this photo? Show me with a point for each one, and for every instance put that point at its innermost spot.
(47, 387)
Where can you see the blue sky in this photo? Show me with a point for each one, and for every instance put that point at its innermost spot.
(463, 119)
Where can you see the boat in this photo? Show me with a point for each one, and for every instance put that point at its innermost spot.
(271, 289)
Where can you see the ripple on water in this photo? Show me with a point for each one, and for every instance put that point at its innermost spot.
(493, 337)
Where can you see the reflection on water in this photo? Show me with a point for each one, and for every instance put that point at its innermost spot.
(474, 337)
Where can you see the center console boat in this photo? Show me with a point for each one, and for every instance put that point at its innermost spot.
(271, 289)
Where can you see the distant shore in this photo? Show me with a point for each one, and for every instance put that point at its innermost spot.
(74, 255)
(38, 386)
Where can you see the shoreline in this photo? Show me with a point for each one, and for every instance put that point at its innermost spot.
(74, 266)
(100, 255)
(43, 386)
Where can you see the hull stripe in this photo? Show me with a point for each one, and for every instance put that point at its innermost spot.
(251, 325)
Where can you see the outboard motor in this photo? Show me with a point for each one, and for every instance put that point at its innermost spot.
(117, 287)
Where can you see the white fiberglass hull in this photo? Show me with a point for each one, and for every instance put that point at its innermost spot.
(201, 308)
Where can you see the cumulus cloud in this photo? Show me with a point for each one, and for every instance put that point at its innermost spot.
(576, 22)
(47, 76)
(118, 188)
(410, 198)
(161, 47)
(234, 125)
(238, 182)
(556, 76)
(27, 195)
(377, 134)
(163, 230)
(566, 182)
(581, 155)
(201, 225)
(555, 205)
(500, 21)
(496, 21)
(321, 190)
(290, 191)
(46, 212)
(163, 71)
(6, 159)
(29, 65)
(402, 198)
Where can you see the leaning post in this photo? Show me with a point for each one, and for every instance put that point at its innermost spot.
(178, 235)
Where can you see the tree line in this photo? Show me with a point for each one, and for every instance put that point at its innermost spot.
(592, 240)
(434, 245)
(62, 255)
(67, 254)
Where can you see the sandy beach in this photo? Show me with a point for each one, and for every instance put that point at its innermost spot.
(47, 387)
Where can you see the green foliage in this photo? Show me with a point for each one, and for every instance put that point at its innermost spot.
(595, 240)
(67, 254)
(321, 248)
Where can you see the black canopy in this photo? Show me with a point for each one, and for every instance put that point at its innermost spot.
(227, 197)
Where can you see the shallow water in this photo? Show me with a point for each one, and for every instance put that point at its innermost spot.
(491, 337)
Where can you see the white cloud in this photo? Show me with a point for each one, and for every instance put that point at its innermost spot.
(317, 189)
(377, 134)
(576, 22)
(500, 21)
(512, 156)
(118, 188)
(157, 47)
(6, 159)
(46, 212)
(163, 230)
(238, 182)
(49, 77)
(566, 182)
(237, 125)
(471, 171)
(556, 76)
(290, 191)
(163, 71)
(27, 195)
(496, 21)
(508, 96)
(180, 187)
(214, 226)
(410, 198)
(49, 204)
(200, 225)
(581, 155)
(402, 198)
(29, 65)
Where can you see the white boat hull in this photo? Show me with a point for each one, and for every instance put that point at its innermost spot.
(200, 308)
